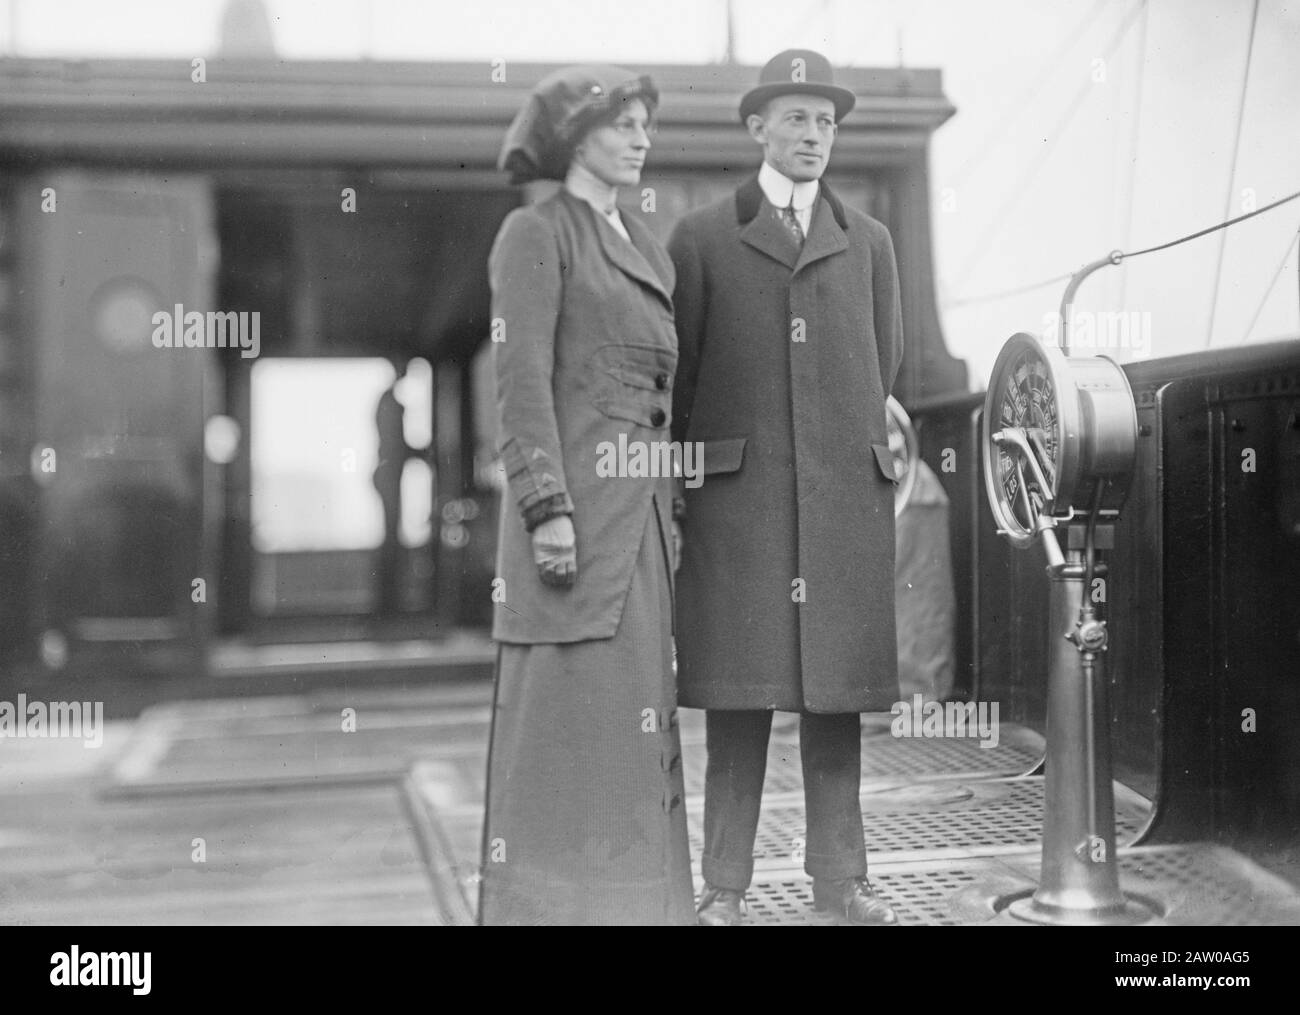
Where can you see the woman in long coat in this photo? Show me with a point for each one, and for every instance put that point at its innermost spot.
(585, 820)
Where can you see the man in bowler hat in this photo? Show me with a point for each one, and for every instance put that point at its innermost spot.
(790, 337)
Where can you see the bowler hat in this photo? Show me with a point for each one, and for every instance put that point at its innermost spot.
(559, 110)
(797, 72)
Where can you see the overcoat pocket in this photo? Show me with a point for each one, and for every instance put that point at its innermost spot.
(721, 456)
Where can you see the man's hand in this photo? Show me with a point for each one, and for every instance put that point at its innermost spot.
(677, 546)
(556, 552)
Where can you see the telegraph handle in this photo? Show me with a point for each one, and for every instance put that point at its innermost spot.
(1043, 523)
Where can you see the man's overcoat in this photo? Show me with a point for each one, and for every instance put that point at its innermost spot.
(785, 358)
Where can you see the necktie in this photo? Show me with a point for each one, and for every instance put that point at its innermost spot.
(791, 221)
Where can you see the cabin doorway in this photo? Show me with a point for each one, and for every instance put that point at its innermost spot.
(360, 500)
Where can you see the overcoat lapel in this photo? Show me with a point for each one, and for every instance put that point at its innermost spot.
(622, 254)
(766, 233)
(826, 237)
(762, 232)
(647, 253)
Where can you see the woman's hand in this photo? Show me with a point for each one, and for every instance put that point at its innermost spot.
(555, 551)
(677, 546)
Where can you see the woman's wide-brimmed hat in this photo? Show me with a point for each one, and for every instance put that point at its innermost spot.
(559, 110)
(797, 72)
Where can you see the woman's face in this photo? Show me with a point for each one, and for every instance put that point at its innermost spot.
(615, 152)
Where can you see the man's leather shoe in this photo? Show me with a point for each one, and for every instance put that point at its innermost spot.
(721, 907)
(855, 900)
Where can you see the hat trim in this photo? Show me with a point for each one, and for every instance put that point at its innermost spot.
(843, 99)
(581, 118)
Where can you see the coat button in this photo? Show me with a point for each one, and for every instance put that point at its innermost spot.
(657, 418)
(661, 381)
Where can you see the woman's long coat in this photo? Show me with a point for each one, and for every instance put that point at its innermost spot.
(585, 353)
(785, 595)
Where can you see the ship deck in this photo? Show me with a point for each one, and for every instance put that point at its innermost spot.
(264, 810)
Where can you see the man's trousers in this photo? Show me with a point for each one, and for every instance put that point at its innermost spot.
(830, 747)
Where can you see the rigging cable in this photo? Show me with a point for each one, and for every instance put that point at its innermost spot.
(1134, 144)
(1121, 256)
(990, 297)
(1000, 219)
(1272, 282)
(1049, 68)
(1222, 225)
(1232, 173)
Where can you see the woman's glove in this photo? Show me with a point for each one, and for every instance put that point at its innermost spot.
(555, 551)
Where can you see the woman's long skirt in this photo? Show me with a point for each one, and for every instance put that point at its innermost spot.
(586, 816)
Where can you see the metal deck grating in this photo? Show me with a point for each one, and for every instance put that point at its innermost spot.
(1210, 886)
(885, 757)
(1195, 884)
(947, 847)
(919, 899)
(974, 817)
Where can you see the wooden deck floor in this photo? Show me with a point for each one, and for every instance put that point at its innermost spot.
(248, 811)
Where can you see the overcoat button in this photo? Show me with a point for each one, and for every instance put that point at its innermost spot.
(661, 381)
(657, 418)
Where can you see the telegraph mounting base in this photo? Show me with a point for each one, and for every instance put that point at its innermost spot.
(1079, 875)
(1132, 912)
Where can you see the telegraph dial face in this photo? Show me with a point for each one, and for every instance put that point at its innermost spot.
(1032, 404)
(1060, 437)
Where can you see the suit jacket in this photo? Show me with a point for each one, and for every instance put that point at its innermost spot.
(785, 594)
(585, 353)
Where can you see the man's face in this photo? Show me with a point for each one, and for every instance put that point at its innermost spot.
(796, 132)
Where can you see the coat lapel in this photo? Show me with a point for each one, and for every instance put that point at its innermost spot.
(760, 228)
(826, 237)
(766, 233)
(647, 252)
(623, 255)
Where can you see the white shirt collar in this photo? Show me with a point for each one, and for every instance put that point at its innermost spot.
(779, 188)
(616, 220)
